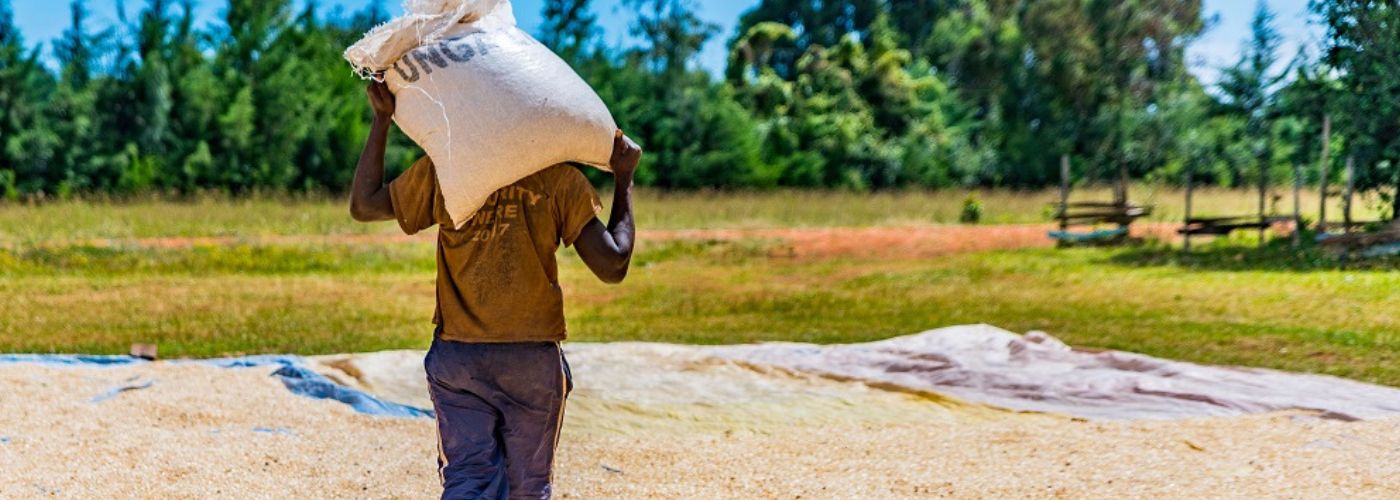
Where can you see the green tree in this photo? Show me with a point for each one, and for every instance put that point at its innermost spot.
(766, 49)
(695, 134)
(262, 80)
(1308, 99)
(816, 22)
(1103, 69)
(26, 143)
(1248, 88)
(569, 27)
(672, 36)
(81, 162)
(1364, 47)
(866, 94)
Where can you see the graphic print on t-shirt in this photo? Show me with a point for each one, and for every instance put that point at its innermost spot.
(502, 211)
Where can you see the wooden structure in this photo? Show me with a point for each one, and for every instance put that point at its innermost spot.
(148, 352)
(1382, 242)
(1092, 214)
(1224, 226)
(1348, 224)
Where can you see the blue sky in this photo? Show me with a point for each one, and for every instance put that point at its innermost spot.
(44, 20)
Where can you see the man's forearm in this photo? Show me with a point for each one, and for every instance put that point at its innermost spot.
(607, 250)
(620, 224)
(368, 185)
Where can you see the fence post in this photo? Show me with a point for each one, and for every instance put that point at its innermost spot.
(1263, 193)
(1064, 192)
(1297, 205)
(1325, 158)
(1351, 189)
(1186, 227)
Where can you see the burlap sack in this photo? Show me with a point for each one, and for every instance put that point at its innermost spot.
(487, 102)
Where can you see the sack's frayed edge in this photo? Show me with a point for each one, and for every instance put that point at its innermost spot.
(423, 22)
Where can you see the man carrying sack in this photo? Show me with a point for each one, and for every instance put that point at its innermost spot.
(496, 372)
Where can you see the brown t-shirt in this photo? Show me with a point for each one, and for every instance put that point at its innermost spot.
(497, 278)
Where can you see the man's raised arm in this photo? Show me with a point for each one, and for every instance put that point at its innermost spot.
(608, 250)
(369, 199)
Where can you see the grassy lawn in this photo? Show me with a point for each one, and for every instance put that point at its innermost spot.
(321, 215)
(339, 297)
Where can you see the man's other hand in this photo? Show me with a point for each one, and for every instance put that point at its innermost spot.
(625, 156)
(369, 199)
(381, 99)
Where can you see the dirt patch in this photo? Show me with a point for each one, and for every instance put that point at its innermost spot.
(177, 242)
(912, 242)
(909, 242)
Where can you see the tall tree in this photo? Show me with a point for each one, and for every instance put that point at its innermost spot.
(817, 22)
(1248, 87)
(767, 48)
(672, 35)
(82, 163)
(262, 83)
(1307, 100)
(1104, 67)
(1364, 47)
(915, 20)
(978, 45)
(569, 26)
(26, 143)
(692, 126)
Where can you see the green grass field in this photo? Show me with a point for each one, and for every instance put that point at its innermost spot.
(1227, 305)
(320, 215)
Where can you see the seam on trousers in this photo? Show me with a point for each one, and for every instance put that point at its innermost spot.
(437, 429)
(563, 401)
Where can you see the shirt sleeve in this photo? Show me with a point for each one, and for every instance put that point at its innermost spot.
(415, 197)
(575, 203)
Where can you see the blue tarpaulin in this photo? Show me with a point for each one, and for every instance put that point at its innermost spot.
(1092, 236)
(1382, 250)
(292, 371)
(306, 382)
(68, 359)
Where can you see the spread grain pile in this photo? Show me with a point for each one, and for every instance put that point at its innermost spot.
(650, 421)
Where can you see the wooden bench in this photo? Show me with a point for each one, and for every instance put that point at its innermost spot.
(1093, 213)
(1223, 226)
(1086, 213)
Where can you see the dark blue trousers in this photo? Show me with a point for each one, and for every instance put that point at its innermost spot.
(499, 411)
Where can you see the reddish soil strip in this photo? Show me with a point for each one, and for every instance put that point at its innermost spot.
(205, 241)
(892, 242)
(808, 243)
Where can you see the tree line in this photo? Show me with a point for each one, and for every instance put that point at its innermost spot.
(858, 94)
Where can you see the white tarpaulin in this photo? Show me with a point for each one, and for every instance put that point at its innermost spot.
(1037, 372)
(978, 364)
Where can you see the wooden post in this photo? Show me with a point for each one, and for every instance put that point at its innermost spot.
(1122, 197)
(1297, 205)
(1064, 192)
(1325, 158)
(1263, 193)
(1351, 189)
(1123, 189)
(1186, 233)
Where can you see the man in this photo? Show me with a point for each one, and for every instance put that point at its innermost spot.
(496, 373)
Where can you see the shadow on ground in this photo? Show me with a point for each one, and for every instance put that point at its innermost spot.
(1236, 255)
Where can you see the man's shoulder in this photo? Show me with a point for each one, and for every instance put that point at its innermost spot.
(558, 172)
(425, 163)
(556, 177)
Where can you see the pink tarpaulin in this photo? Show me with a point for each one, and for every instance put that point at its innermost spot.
(1037, 372)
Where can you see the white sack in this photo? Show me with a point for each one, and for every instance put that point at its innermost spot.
(487, 102)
